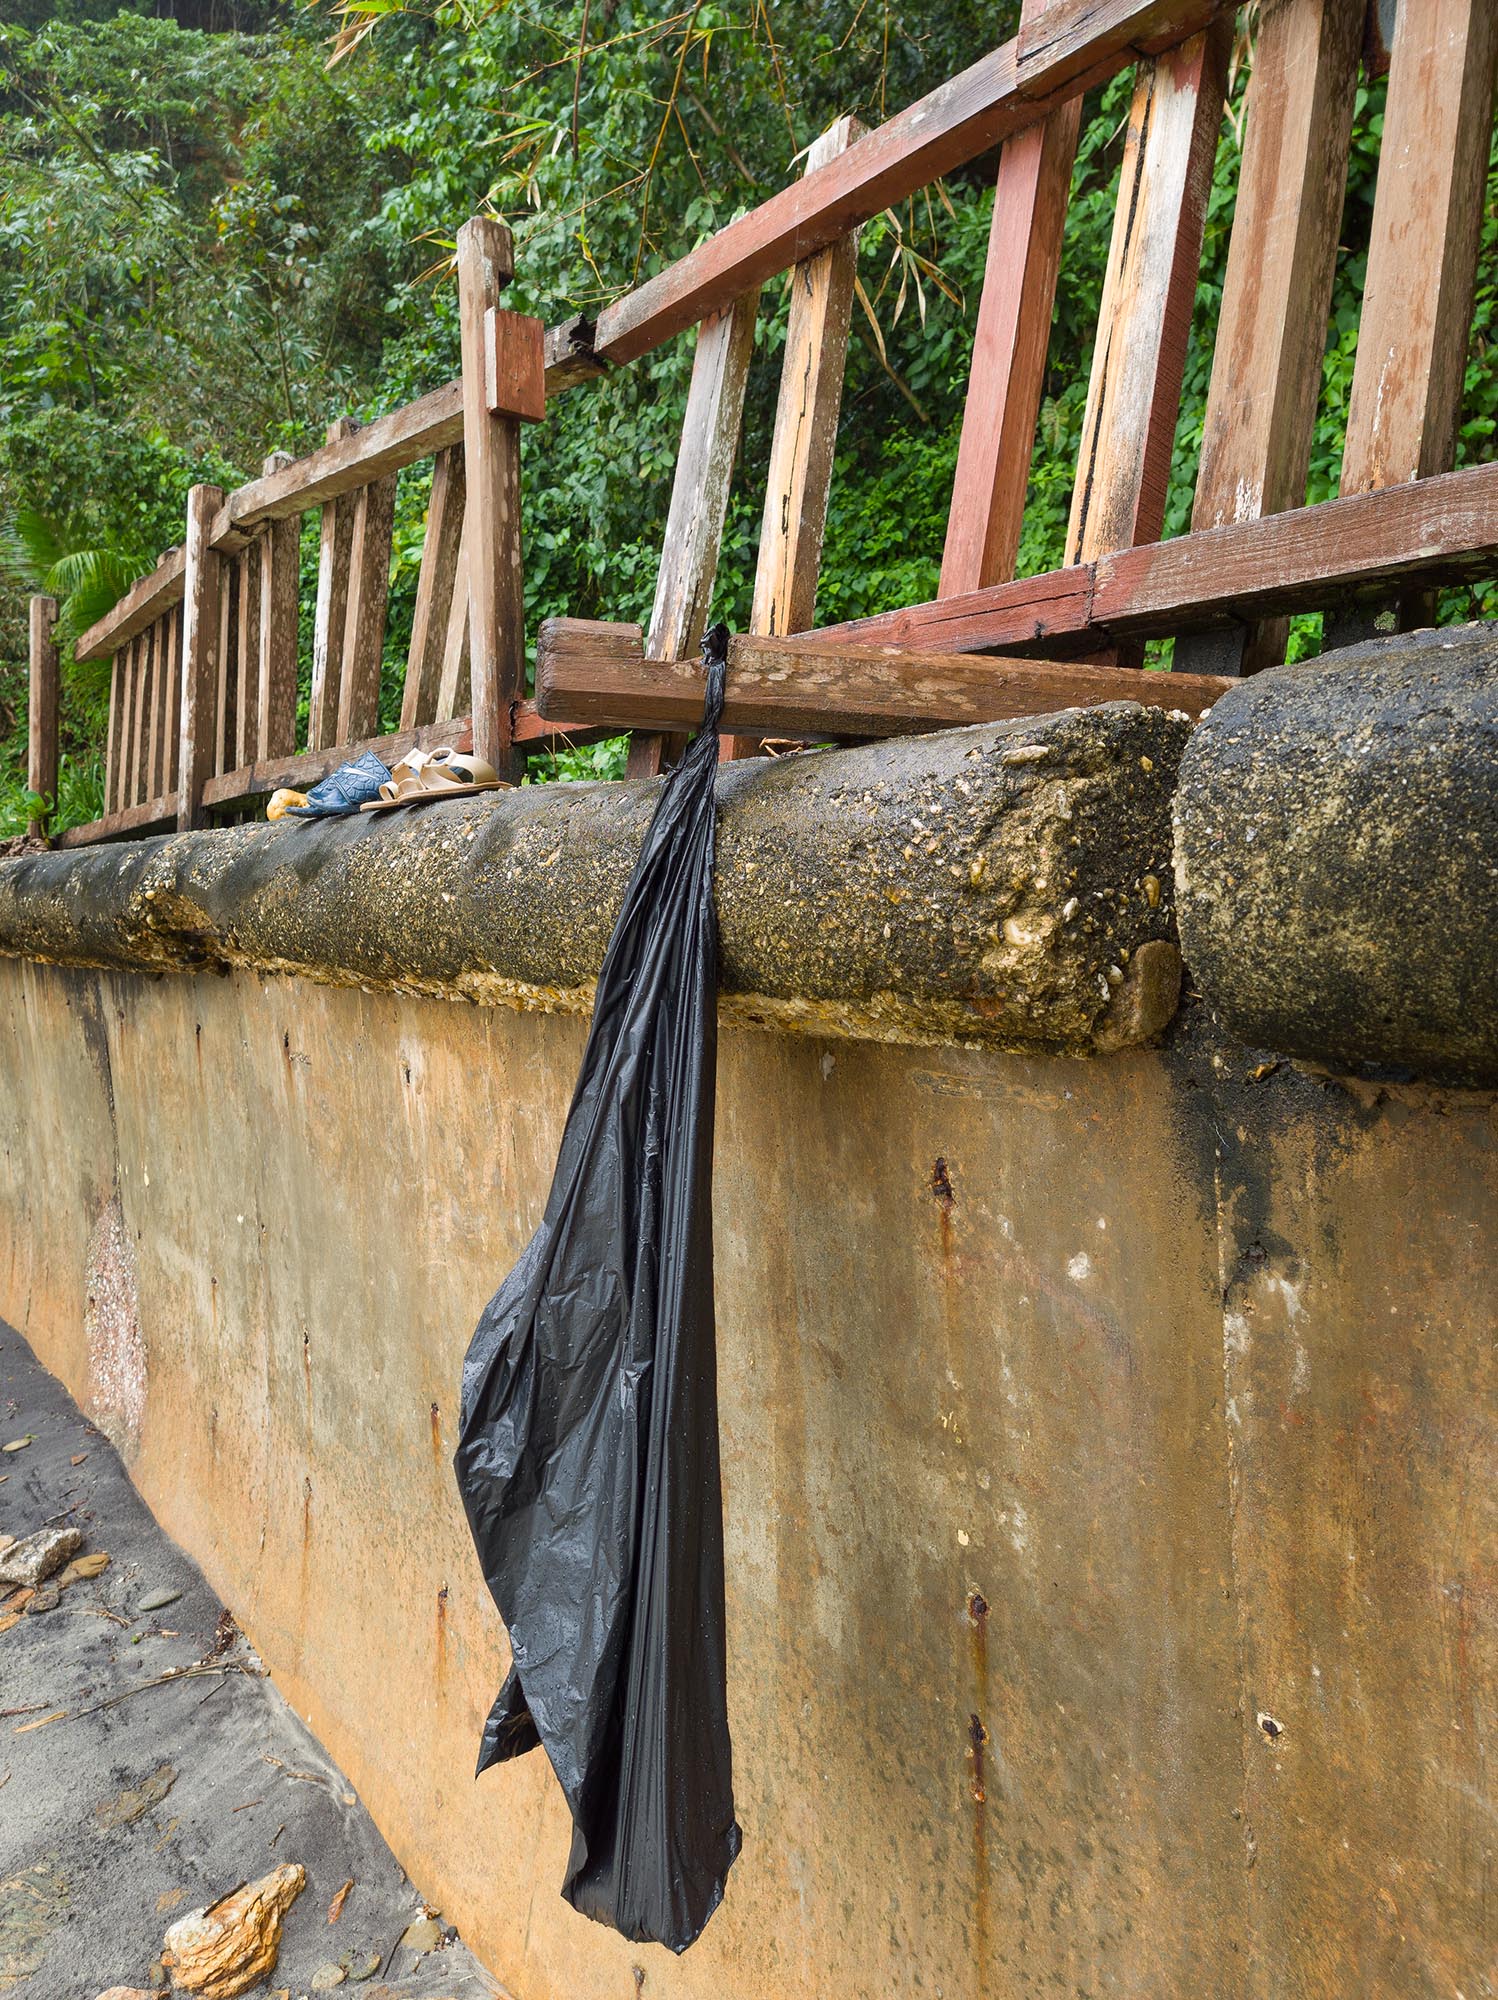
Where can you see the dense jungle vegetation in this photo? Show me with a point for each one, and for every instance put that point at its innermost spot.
(213, 239)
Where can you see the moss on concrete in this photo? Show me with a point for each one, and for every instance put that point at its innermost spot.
(1006, 885)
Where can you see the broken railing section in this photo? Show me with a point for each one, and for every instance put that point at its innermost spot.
(204, 679)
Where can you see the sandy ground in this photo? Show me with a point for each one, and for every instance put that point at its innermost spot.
(126, 1802)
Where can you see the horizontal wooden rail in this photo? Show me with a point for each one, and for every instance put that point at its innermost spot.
(1442, 529)
(141, 606)
(1003, 92)
(153, 816)
(303, 769)
(589, 672)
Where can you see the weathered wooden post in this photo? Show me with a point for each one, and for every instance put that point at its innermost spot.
(201, 583)
(41, 711)
(503, 383)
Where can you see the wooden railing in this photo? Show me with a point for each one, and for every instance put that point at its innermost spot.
(1404, 522)
(204, 679)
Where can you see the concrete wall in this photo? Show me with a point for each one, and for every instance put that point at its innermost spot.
(1108, 1453)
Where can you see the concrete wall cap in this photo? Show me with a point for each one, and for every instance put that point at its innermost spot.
(1006, 885)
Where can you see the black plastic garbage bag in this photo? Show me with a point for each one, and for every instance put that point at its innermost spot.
(588, 1454)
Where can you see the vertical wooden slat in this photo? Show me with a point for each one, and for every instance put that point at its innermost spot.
(364, 620)
(280, 555)
(496, 599)
(699, 501)
(1009, 353)
(41, 705)
(440, 550)
(1427, 216)
(1134, 393)
(332, 607)
(145, 667)
(171, 737)
(156, 737)
(247, 656)
(805, 435)
(1271, 330)
(455, 690)
(202, 581)
(116, 719)
(811, 394)
(127, 661)
(226, 704)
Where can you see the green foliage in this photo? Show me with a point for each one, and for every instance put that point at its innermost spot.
(211, 243)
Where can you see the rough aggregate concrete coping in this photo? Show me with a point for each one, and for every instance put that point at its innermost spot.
(1337, 856)
(1007, 885)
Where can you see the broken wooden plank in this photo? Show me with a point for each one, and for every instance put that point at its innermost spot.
(1009, 353)
(364, 618)
(141, 606)
(202, 580)
(1427, 215)
(1144, 325)
(1271, 330)
(335, 540)
(496, 601)
(41, 705)
(593, 673)
(440, 549)
(699, 500)
(952, 124)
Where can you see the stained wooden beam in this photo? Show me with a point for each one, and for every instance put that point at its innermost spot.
(593, 673)
(1000, 94)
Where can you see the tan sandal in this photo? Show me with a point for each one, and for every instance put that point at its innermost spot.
(435, 774)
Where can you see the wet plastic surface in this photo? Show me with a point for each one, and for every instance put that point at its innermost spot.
(588, 1455)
